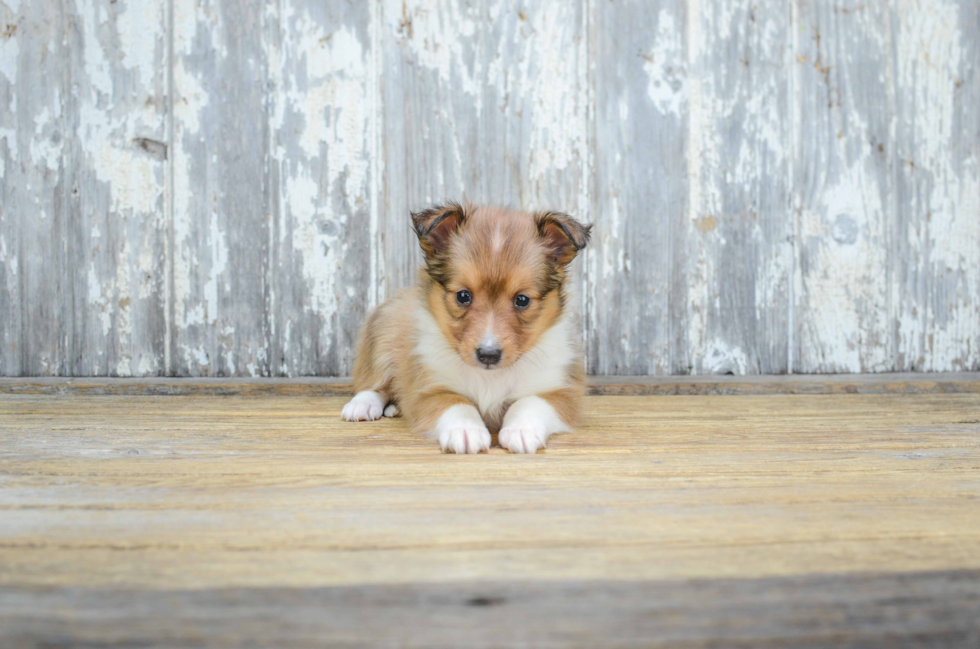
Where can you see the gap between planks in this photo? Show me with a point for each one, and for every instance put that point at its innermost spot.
(892, 383)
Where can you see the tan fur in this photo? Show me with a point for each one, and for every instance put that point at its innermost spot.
(495, 254)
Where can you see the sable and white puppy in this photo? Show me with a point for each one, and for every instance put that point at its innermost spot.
(483, 342)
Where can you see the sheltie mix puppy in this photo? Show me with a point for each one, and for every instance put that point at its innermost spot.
(484, 342)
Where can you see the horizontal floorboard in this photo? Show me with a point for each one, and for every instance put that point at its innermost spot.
(861, 610)
(904, 383)
(805, 519)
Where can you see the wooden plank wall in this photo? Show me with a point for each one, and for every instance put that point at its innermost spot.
(222, 187)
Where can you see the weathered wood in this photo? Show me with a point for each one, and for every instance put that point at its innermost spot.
(35, 275)
(192, 492)
(640, 193)
(810, 518)
(116, 167)
(212, 188)
(324, 122)
(483, 102)
(223, 197)
(843, 188)
(886, 187)
(934, 258)
(870, 610)
(907, 383)
(737, 234)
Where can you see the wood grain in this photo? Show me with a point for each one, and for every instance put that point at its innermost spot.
(738, 237)
(35, 291)
(324, 123)
(222, 193)
(935, 255)
(636, 284)
(684, 519)
(116, 121)
(903, 610)
(483, 102)
(194, 492)
(843, 190)
(907, 383)
(220, 188)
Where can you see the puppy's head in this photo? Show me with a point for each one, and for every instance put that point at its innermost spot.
(495, 278)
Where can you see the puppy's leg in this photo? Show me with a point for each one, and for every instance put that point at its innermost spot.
(367, 405)
(453, 420)
(372, 372)
(531, 420)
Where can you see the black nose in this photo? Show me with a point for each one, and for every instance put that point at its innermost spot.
(488, 355)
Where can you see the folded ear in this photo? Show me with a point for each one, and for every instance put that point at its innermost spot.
(562, 235)
(436, 225)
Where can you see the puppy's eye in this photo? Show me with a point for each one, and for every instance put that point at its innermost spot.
(463, 298)
(522, 301)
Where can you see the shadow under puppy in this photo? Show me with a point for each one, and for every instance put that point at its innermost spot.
(484, 341)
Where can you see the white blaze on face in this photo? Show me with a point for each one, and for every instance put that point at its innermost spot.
(489, 341)
(498, 239)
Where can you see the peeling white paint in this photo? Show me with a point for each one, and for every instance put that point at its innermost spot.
(9, 58)
(138, 19)
(666, 67)
(499, 100)
(721, 359)
(547, 75)
(44, 150)
(424, 28)
(850, 290)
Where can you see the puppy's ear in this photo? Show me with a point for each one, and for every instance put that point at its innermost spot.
(436, 225)
(562, 235)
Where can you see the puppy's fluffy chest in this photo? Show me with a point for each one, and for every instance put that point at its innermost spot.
(541, 369)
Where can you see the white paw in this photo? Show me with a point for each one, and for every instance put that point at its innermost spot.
(366, 405)
(391, 410)
(523, 436)
(461, 430)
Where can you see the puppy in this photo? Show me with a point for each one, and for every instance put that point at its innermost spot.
(484, 342)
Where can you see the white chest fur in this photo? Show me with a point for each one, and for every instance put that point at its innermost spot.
(541, 369)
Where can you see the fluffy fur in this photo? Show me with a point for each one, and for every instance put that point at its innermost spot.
(424, 352)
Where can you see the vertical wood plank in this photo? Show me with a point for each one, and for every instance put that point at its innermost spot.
(324, 124)
(116, 112)
(222, 195)
(843, 187)
(641, 192)
(35, 289)
(483, 102)
(935, 254)
(739, 236)
(432, 69)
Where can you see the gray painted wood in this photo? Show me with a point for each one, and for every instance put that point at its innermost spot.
(737, 232)
(35, 292)
(935, 254)
(222, 195)
(843, 190)
(483, 102)
(915, 609)
(212, 188)
(115, 168)
(324, 129)
(640, 189)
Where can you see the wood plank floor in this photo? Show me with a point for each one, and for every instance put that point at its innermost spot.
(686, 520)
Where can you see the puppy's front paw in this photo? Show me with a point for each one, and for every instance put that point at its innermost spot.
(523, 436)
(461, 430)
(366, 405)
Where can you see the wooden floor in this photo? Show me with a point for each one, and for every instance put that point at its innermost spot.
(684, 520)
